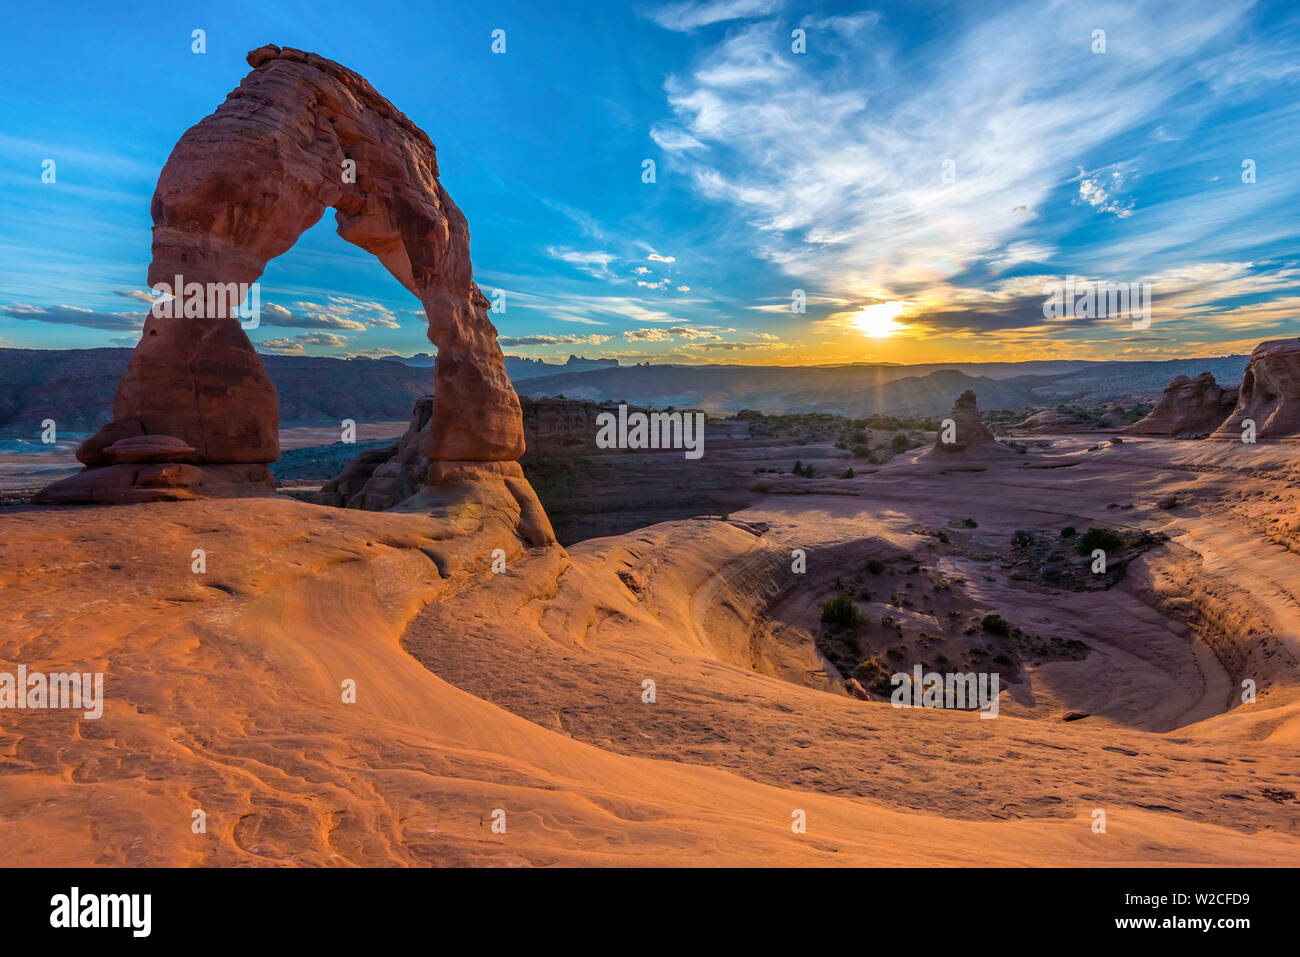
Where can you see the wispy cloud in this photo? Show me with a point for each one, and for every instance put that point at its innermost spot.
(76, 316)
(875, 169)
(593, 263)
(692, 14)
(298, 344)
(512, 342)
(672, 332)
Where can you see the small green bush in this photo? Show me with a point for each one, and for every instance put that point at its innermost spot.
(840, 610)
(996, 625)
(1106, 539)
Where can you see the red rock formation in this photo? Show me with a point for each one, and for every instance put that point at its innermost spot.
(972, 446)
(239, 188)
(379, 479)
(968, 433)
(1188, 408)
(1270, 393)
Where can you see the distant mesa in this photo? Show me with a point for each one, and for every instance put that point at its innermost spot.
(238, 190)
(521, 367)
(1189, 408)
(1269, 394)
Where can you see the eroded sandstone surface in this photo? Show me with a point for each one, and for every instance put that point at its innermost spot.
(1188, 408)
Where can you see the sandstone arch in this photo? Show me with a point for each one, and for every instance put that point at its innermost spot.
(238, 190)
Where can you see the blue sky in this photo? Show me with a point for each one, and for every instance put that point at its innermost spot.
(943, 163)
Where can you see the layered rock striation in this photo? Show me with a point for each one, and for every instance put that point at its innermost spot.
(1269, 395)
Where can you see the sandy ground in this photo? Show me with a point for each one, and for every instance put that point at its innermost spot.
(523, 692)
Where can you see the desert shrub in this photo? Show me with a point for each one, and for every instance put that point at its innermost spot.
(875, 566)
(970, 523)
(874, 675)
(942, 536)
(1068, 532)
(1021, 539)
(1106, 539)
(995, 624)
(899, 443)
(841, 611)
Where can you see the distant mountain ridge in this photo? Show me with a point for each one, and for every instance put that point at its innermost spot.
(519, 367)
(75, 387)
(865, 389)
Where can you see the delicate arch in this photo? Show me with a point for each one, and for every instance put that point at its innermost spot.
(239, 188)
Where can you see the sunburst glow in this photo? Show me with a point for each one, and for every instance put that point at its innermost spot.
(877, 321)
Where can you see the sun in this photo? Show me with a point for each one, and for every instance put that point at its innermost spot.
(877, 321)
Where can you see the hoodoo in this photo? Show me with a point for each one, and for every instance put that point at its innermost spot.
(962, 433)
